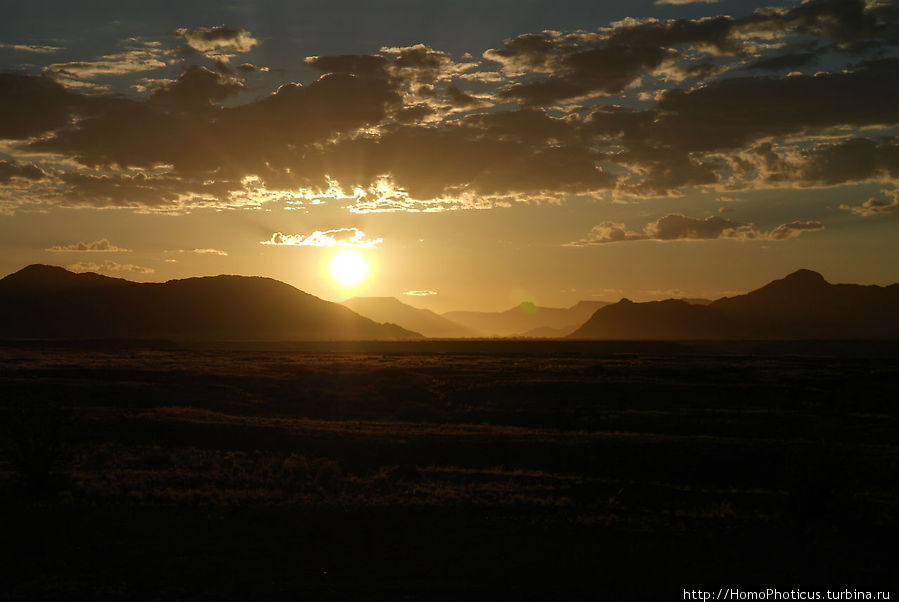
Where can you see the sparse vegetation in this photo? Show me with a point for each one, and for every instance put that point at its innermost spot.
(414, 471)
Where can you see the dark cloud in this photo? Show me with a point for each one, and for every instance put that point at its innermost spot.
(411, 114)
(411, 125)
(731, 113)
(876, 207)
(676, 226)
(196, 89)
(841, 20)
(527, 52)
(679, 227)
(792, 230)
(432, 162)
(33, 104)
(204, 39)
(13, 169)
(528, 125)
(661, 176)
(791, 61)
(460, 99)
(606, 70)
(715, 33)
(138, 191)
(365, 65)
(237, 140)
(854, 160)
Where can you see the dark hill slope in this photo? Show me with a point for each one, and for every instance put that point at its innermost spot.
(803, 305)
(523, 319)
(50, 302)
(670, 319)
(425, 321)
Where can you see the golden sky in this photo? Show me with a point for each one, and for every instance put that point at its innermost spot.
(456, 156)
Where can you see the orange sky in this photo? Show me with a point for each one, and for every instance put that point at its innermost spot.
(555, 153)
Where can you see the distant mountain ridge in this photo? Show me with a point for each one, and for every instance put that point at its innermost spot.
(527, 318)
(48, 302)
(803, 305)
(424, 321)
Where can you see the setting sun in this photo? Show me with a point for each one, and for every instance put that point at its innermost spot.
(349, 267)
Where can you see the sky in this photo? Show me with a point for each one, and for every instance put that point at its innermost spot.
(468, 154)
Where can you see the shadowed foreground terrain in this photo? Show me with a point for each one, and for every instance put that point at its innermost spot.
(445, 470)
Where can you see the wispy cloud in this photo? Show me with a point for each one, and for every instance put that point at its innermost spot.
(342, 237)
(35, 48)
(210, 252)
(679, 227)
(108, 266)
(97, 246)
(683, 2)
(424, 293)
(139, 58)
(874, 206)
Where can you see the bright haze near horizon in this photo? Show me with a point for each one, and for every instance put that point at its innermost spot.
(463, 155)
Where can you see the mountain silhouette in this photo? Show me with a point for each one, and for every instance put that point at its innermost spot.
(803, 305)
(425, 321)
(47, 302)
(526, 318)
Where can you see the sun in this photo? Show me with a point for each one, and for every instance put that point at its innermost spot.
(349, 267)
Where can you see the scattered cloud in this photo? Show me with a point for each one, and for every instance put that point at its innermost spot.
(97, 246)
(204, 39)
(342, 237)
(680, 227)
(10, 170)
(639, 109)
(137, 58)
(424, 293)
(875, 207)
(35, 48)
(210, 252)
(108, 266)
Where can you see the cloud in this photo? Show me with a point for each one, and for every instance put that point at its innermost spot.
(10, 170)
(682, 2)
(607, 69)
(791, 230)
(35, 104)
(140, 191)
(210, 252)
(137, 59)
(876, 207)
(205, 39)
(108, 266)
(789, 61)
(35, 48)
(852, 160)
(342, 237)
(679, 227)
(253, 138)
(97, 246)
(197, 88)
(423, 293)
(734, 112)
(365, 65)
(639, 108)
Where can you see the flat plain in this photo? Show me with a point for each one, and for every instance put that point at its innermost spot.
(442, 470)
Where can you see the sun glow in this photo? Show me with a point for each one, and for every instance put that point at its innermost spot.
(349, 268)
